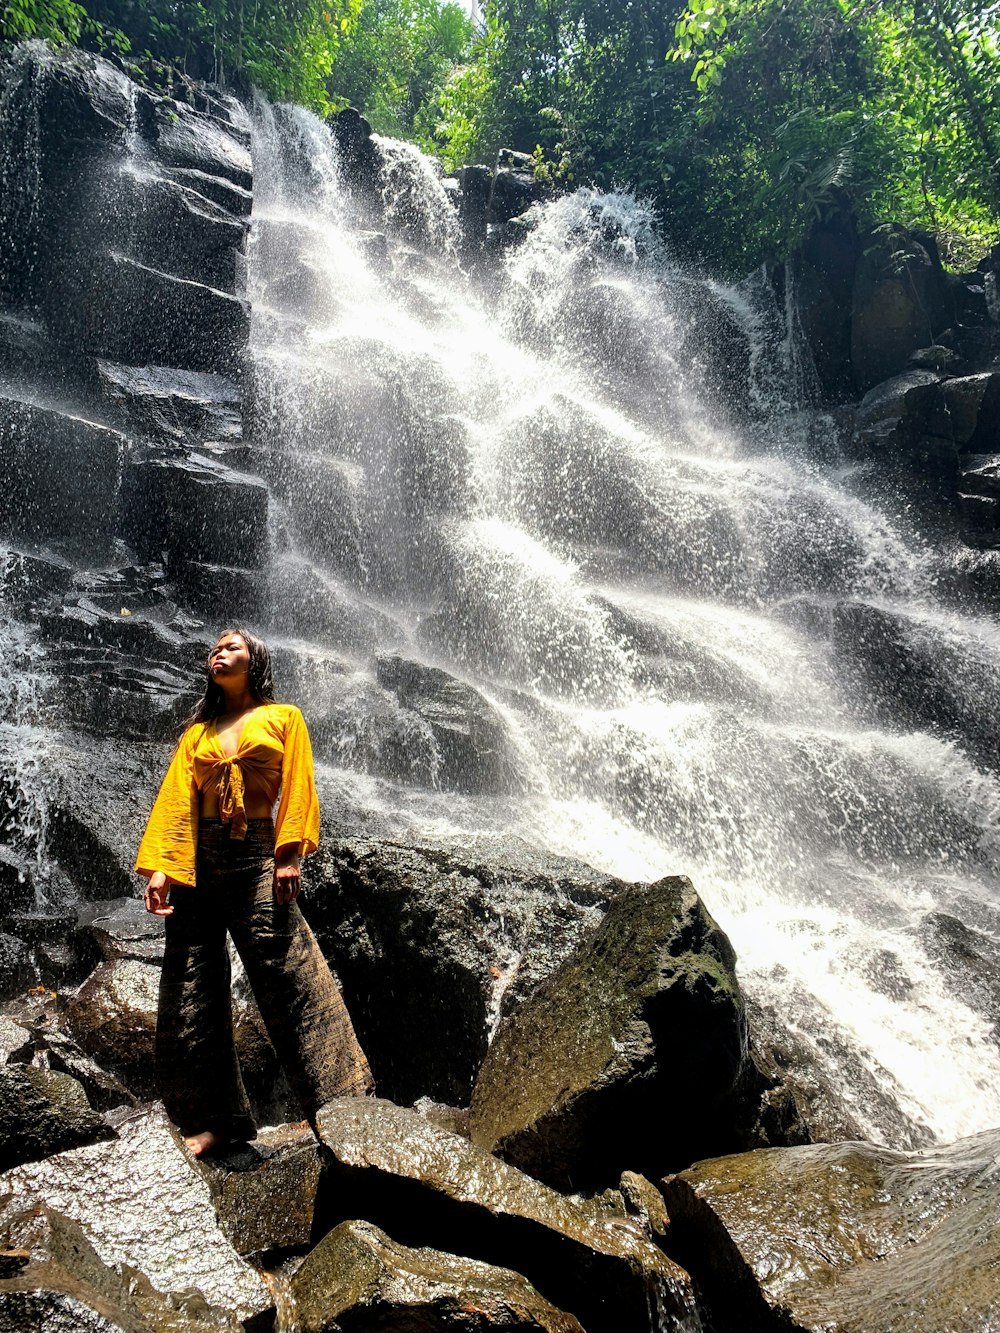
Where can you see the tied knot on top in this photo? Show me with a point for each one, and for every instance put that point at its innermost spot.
(231, 780)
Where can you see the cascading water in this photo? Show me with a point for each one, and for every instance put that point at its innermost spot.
(528, 481)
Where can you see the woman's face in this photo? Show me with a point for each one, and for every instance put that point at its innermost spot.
(229, 660)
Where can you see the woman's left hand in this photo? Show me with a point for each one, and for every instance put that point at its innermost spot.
(287, 877)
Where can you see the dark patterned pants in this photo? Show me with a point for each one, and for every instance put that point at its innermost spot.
(197, 1070)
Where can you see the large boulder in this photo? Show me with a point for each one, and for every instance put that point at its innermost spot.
(427, 1186)
(265, 1192)
(113, 1018)
(43, 1112)
(628, 1056)
(463, 938)
(898, 303)
(142, 1202)
(922, 671)
(906, 418)
(359, 1278)
(844, 1236)
(52, 1278)
(474, 747)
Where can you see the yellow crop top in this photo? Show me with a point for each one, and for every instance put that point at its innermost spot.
(273, 754)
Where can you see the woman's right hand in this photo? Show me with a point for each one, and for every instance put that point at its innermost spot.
(155, 896)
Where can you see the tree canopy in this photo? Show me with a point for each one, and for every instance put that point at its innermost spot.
(742, 120)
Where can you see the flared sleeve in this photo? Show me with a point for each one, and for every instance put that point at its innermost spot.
(171, 836)
(297, 820)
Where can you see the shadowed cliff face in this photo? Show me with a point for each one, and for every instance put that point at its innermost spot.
(547, 541)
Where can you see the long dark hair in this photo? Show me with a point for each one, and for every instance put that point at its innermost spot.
(260, 679)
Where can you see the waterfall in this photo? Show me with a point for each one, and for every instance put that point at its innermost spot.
(583, 485)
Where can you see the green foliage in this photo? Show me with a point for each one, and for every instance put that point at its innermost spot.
(746, 120)
(397, 59)
(50, 20)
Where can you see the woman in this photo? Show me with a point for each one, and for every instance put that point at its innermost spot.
(216, 861)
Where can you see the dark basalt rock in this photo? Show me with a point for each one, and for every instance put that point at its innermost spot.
(979, 499)
(844, 1236)
(59, 475)
(128, 931)
(207, 512)
(163, 404)
(973, 403)
(475, 750)
(113, 1018)
(41, 1113)
(358, 1278)
(514, 187)
(183, 137)
(178, 231)
(919, 672)
(906, 419)
(462, 939)
(821, 1089)
(142, 1202)
(643, 1027)
(969, 958)
(52, 1278)
(137, 314)
(431, 1187)
(16, 970)
(898, 304)
(265, 1191)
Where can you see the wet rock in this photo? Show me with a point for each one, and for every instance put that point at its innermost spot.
(844, 1236)
(41, 1113)
(53, 1279)
(514, 187)
(16, 968)
(907, 418)
(100, 799)
(433, 1188)
(461, 938)
(128, 931)
(143, 1203)
(898, 302)
(265, 1191)
(236, 200)
(209, 589)
(29, 580)
(361, 1279)
(207, 512)
(176, 230)
(643, 1200)
(921, 672)
(979, 499)
(60, 1052)
(821, 1088)
(476, 754)
(643, 1027)
(824, 270)
(161, 403)
(59, 477)
(969, 958)
(980, 519)
(140, 315)
(972, 402)
(186, 138)
(15, 1042)
(113, 1019)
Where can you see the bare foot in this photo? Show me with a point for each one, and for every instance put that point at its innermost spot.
(199, 1144)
